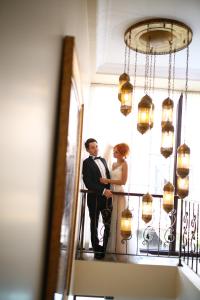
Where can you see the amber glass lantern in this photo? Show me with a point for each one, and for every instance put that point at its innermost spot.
(152, 116)
(167, 111)
(125, 224)
(122, 79)
(144, 114)
(147, 202)
(183, 187)
(167, 139)
(183, 161)
(168, 197)
(126, 98)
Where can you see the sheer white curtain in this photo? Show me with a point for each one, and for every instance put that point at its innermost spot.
(148, 169)
(191, 128)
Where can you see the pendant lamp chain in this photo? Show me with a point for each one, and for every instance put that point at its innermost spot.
(183, 151)
(154, 72)
(146, 70)
(129, 53)
(125, 87)
(135, 71)
(170, 64)
(147, 64)
(150, 72)
(149, 160)
(173, 72)
(125, 57)
(186, 89)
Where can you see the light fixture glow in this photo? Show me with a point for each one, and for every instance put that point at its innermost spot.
(147, 208)
(168, 197)
(125, 224)
(183, 160)
(183, 187)
(126, 98)
(144, 114)
(167, 139)
(122, 80)
(167, 111)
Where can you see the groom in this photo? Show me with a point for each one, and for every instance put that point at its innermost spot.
(99, 202)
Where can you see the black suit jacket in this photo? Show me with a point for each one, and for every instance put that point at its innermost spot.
(91, 175)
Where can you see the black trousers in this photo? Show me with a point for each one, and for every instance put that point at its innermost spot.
(96, 205)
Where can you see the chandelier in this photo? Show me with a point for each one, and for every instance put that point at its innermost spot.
(151, 38)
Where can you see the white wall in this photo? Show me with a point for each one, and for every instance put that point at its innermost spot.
(125, 281)
(130, 281)
(188, 284)
(31, 35)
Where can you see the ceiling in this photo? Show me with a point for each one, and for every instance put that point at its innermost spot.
(108, 20)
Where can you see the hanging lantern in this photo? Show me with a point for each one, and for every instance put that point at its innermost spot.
(183, 160)
(144, 112)
(147, 201)
(122, 79)
(168, 197)
(125, 224)
(183, 187)
(154, 37)
(167, 139)
(152, 116)
(167, 111)
(126, 98)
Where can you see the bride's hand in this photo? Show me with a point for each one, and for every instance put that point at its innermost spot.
(104, 180)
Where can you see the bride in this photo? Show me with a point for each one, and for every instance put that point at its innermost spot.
(119, 174)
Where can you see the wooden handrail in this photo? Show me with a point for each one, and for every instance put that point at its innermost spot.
(124, 193)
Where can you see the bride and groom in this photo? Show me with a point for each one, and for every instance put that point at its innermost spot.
(96, 177)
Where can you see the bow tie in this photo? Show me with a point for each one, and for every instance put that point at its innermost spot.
(97, 157)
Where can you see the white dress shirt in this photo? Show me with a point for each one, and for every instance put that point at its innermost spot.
(101, 167)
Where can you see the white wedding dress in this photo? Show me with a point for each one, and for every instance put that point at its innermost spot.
(119, 204)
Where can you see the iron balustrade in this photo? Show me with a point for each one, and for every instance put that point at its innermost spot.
(190, 245)
(174, 234)
(155, 237)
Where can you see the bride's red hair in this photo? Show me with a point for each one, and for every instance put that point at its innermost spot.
(123, 149)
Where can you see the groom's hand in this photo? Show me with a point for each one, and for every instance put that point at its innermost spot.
(107, 193)
(104, 180)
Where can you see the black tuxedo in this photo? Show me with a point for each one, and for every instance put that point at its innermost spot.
(97, 202)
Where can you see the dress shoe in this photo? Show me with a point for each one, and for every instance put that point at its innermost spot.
(100, 248)
(99, 255)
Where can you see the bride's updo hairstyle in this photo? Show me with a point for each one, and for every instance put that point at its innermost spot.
(123, 149)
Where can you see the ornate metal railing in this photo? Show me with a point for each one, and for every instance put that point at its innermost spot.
(174, 234)
(190, 241)
(155, 237)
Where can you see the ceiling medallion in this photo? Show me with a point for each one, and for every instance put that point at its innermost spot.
(159, 33)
